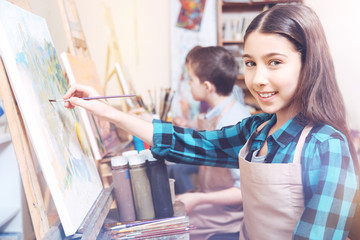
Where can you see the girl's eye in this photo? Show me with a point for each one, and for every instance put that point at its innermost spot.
(274, 62)
(249, 63)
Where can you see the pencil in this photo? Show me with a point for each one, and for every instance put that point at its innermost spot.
(93, 98)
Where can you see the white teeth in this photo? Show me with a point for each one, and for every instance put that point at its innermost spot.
(265, 95)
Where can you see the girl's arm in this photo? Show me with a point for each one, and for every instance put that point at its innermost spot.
(213, 148)
(133, 125)
(330, 185)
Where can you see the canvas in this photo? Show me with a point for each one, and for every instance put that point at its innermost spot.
(102, 134)
(56, 134)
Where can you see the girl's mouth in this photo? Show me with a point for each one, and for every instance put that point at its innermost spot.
(265, 96)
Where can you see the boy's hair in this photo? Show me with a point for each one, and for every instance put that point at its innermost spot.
(216, 65)
(318, 94)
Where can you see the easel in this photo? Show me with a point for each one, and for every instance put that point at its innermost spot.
(113, 55)
(77, 47)
(24, 158)
(45, 227)
(73, 30)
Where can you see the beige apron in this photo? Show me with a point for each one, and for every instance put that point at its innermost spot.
(273, 196)
(212, 219)
(211, 179)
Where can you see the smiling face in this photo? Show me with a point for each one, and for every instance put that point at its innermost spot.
(272, 69)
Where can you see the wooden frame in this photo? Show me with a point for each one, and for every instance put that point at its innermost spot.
(23, 154)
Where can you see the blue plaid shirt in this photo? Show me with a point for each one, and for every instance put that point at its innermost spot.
(329, 178)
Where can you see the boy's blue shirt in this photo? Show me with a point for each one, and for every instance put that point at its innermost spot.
(235, 114)
(329, 178)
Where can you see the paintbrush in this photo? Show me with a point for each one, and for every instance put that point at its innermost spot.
(166, 97)
(93, 98)
(153, 111)
(148, 222)
(141, 102)
(168, 105)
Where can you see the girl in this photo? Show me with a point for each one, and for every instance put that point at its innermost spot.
(298, 167)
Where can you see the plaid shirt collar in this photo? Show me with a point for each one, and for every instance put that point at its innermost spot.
(285, 134)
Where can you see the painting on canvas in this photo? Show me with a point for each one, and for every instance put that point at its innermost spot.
(58, 138)
(102, 134)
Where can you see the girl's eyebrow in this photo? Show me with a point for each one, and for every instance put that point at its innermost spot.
(266, 56)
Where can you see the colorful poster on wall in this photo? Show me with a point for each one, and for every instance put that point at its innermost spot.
(58, 138)
(191, 13)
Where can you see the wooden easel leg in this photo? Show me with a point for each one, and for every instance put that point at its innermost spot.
(94, 220)
(24, 158)
(101, 169)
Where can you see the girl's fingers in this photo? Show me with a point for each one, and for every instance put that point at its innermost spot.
(70, 92)
(75, 101)
(76, 92)
(68, 105)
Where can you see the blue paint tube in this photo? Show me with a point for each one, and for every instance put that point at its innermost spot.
(138, 144)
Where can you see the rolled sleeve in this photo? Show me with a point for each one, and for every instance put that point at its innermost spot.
(218, 148)
(187, 146)
(162, 137)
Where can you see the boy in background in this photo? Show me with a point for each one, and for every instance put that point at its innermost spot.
(216, 205)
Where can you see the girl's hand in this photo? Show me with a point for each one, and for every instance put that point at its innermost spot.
(132, 125)
(79, 91)
(96, 107)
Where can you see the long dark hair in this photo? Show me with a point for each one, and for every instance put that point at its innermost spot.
(318, 94)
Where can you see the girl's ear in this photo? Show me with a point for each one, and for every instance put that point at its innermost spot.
(210, 87)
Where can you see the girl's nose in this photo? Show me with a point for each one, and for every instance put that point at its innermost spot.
(260, 77)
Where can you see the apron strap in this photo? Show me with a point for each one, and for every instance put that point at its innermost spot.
(210, 124)
(300, 144)
(261, 126)
(228, 106)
